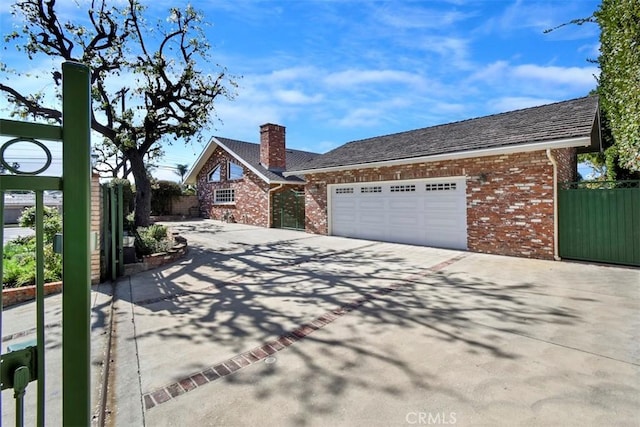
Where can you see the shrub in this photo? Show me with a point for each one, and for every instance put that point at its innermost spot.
(152, 239)
(19, 263)
(52, 221)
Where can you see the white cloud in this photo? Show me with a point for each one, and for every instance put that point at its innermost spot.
(296, 97)
(510, 103)
(400, 17)
(353, 77)
(572, 76)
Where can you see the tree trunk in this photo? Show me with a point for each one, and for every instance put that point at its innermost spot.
(143, 188)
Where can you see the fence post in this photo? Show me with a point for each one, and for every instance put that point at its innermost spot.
(76, 173)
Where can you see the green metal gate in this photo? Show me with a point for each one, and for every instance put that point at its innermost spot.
(288, 210)
(600, 221)
(22, 366)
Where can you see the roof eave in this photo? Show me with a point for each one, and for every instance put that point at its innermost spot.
(206, 154)
(583, 141)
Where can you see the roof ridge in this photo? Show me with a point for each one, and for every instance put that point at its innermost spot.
(472, 119)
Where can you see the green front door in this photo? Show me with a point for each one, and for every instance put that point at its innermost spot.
(288, 210)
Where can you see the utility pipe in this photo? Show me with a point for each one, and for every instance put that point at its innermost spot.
(553, 161)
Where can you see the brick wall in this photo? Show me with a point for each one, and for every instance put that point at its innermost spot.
(509, 198)
(273, 153)
(567, 162)
(252, 204)
(96, 215)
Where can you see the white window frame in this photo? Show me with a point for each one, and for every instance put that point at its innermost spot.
(224, 196)
(217, 169)
(229, 166)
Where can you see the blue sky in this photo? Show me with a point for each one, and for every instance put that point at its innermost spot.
(337, 71)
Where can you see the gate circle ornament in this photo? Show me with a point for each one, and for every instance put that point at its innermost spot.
(11, 169)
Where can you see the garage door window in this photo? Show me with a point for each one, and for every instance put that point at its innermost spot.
(403, 188)
(443, 186)
(348, 190)
(374, 189)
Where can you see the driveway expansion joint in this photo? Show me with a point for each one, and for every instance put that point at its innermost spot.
(166, 393)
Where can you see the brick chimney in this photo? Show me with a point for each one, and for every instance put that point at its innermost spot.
(273, 153)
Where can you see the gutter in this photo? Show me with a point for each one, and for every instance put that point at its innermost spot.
(269, 193)
(555, 204)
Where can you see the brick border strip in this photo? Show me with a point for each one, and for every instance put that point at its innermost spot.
(229, 366)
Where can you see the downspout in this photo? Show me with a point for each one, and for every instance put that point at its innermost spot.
(555, 204)
(269, 193)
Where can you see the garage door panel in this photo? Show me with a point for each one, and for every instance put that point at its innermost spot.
(428, 212)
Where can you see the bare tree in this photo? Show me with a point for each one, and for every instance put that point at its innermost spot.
(155, 68)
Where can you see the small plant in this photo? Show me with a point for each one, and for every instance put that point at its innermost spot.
(19, 263)
(152, 239)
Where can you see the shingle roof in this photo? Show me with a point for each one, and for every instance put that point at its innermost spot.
(250, 153)
(559, 121)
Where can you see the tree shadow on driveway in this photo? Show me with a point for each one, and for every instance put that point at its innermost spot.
(215, 305)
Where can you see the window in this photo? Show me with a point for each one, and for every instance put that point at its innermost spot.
(375, 189)
(234, 171)
(402, 188)
(441, 187)
(214, 175)
(348, 190)
(224, 196)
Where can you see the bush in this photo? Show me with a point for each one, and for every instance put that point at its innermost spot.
(152, 239)
(162, 195)
(52, 221)
(19, 263)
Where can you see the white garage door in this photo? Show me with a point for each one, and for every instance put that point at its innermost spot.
(424, 212)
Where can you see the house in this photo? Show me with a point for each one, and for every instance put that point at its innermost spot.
(243, 182)
(486, 185)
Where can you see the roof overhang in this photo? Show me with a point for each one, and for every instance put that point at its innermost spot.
(192, 175)
(581, 142)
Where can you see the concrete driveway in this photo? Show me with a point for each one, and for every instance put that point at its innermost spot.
(273, 327)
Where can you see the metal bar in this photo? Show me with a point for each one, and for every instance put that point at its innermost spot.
(119, 214)
(19, 410)
(1, 268)
(112, 224)
(31, 183)
(30, 130)
(40, 305)
(76, 205)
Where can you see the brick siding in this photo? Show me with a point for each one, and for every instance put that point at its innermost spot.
(96, 215)
(251, 205)
(509, 198)
(273, 153)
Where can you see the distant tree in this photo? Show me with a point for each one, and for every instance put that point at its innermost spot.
(181, 171)
(618, 87)
(155, 67)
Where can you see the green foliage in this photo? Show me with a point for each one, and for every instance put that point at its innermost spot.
(19, 263)
(162, 195)
(152, 239)
(619, 85)
(177, 81)
(52, 221)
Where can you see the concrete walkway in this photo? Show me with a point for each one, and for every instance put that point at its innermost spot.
(274, 327)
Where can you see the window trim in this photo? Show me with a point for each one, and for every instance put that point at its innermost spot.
(217, 168)
(232, 197)
(229, 165)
